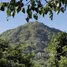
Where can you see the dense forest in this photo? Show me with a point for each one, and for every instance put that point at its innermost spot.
(35, 35)
(33, 45)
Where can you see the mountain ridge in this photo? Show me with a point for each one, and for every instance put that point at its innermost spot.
(34, 33)
(35, 37)
(27, 24)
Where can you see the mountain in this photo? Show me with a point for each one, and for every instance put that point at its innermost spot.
(35, 34)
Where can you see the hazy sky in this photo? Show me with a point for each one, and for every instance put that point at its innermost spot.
(58, 22)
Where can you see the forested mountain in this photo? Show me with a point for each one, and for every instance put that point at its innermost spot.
(34, 37)
(35, 34)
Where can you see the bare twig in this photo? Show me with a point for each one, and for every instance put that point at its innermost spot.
(27, 3)
(46, 1)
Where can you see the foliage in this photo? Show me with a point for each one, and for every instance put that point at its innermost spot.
(13, 57)
(58, 51)
(32, 38)
(33, 8)
(35, 35)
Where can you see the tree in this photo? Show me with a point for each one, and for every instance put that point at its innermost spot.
(13, 56)
(33, 8)
(58, 51)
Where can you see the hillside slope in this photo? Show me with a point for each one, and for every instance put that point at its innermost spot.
(37, 34)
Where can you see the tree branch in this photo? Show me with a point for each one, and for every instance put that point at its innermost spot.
(27, 2)
(46, 1)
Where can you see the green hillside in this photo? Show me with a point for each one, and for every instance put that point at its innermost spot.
(34, 36)
(37, 34)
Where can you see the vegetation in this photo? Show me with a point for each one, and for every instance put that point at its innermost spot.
(13, 57)
(36, 35)
(21, 54)
(32, 40)
(33, 8)
(58, 51)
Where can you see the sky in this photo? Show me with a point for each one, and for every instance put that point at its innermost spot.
(59, 21)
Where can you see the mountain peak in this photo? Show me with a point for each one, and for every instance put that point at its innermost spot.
(34, 33)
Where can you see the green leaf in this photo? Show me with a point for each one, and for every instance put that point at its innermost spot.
(2, 8)
(35, 16)
(57, 11)
(27, 19)
(13, 14)
(8, 12)
(62, 9)
(18, 10)
(23, 10)
(30, 14)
